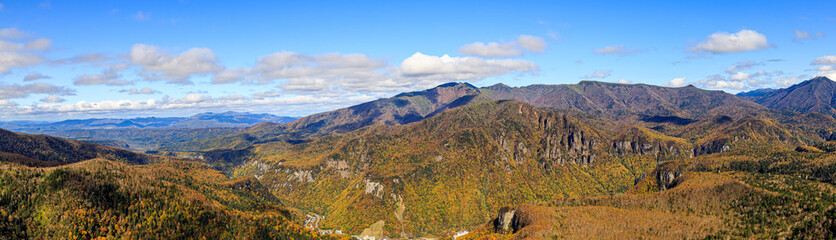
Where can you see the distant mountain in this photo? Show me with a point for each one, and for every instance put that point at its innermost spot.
(620, 101)
(755, 94)
(634, 102)
(814, 95)
(403, 108)
(203, 120)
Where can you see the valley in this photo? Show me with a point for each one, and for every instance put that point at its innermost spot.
(543, 161)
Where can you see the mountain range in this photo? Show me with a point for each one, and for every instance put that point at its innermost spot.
(202, 120)
(586, 160)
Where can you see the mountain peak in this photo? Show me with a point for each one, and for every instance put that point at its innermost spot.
(819, 80)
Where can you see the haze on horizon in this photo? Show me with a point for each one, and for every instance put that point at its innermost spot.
(69, 59)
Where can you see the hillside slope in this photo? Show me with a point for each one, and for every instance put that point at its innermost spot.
(105, 199)
(620, 101)
(814, 95)
(42, 150)
(453, 169)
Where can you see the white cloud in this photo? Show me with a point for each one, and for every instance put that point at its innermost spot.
(141, 16)
(230, 76)
(624, 81)
(786, 81)
(719, 82)
(676, 82)
(109, 76)
(12, 33)
(22, 91)
(20, 54)
(738, 76)
(9, 60)
(193, 101)
(52, 99)
(491, 50)
(825, 60)
(35, 76)
(723, 42)
(448, 68)
(83, 58)
(617, 50)
(804, 35)
(266, 94)
(176, 68)
(39, 44)
(742, 65)
(135, 91)
(509, 49)
(532, 43)
(7, 103)
(599, 74)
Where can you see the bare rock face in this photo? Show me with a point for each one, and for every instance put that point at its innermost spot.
(564, 141)
(503, 222)
(511, 220)
(666, 179)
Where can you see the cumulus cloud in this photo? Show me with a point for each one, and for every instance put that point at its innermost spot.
(14, 54)
(175, 68)
(12, 33)
(35, 76)
(462, 68)
(109, 76)
(617, 50)
(7, 103)
(739, 76)
(624, 81)
(829, 66)
(135, 91)
(676, 82)
(599, 74)
(509, 49)
(52, 99)
(22, 91)
(825, 60)
(532, 43)
(9, 60)
(743, 41)
(719, 82)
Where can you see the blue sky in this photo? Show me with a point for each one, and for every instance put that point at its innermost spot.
(74, 59)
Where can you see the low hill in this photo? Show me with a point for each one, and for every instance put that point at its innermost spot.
(105, 199)
(42, 150)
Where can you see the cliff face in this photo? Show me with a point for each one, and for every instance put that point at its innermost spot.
(642, 141)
